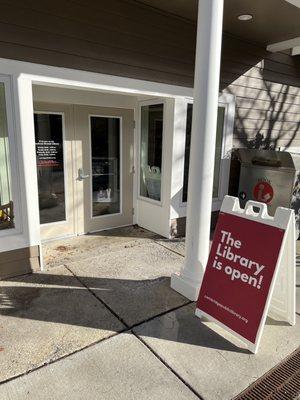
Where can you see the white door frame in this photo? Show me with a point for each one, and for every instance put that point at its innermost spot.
(24, 75)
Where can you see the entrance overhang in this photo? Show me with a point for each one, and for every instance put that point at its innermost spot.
(273, 21)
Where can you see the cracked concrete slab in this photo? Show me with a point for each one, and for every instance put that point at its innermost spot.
(46, 316)
(201, 353)
(134, 282)
(119, 368)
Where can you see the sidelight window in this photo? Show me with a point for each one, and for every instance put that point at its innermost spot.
(151, 151)
(6, 202)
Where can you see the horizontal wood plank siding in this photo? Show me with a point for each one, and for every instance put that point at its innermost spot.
(122, 37)
(267, 90)
(112, 37)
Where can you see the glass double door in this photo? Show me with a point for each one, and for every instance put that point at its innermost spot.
(84, 165)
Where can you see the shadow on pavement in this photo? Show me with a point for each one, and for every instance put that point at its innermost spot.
(50, 298)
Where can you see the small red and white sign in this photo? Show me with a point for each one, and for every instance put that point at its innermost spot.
(241, 270)
(263, 192)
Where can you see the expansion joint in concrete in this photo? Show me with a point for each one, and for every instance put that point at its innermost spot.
(168, 366)
(100, 300)
(127, 329)
(168, 248)
(130, 330)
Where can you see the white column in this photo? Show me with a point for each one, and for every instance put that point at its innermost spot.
(202, 153)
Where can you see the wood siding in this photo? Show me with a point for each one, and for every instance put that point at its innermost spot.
(128, 39)
(267, 90)
(114, 37)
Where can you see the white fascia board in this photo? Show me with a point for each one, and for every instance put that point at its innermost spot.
(296, 51)
(285, 45)
(295, 3)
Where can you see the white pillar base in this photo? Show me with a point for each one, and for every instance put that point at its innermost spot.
(185, 286)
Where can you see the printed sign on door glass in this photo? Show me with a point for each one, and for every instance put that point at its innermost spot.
(50, 167)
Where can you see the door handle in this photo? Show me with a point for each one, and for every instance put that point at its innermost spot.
(82, 175)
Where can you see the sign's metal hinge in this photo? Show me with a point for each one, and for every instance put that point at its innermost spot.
(132, 211)
(133, 124)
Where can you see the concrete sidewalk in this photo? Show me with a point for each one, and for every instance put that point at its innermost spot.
(103, 323)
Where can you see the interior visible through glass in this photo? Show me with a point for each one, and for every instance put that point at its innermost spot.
(188, 132)
(218, 151)
(50, 167)
(105, 149)
(6, 203)
(151, 150)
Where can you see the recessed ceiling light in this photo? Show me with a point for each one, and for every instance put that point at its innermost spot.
(245, 17)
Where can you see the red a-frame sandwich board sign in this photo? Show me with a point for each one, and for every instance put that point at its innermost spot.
(250, 271)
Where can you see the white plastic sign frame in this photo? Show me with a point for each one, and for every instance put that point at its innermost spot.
(281, 298)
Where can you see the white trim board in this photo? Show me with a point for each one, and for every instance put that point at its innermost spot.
(295, 50)
(284, 45)
(295, 3)
(41, 74)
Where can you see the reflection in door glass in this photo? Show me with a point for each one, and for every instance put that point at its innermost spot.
(50, 167)
(105, 143)
(151, 150)
(218, 151)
